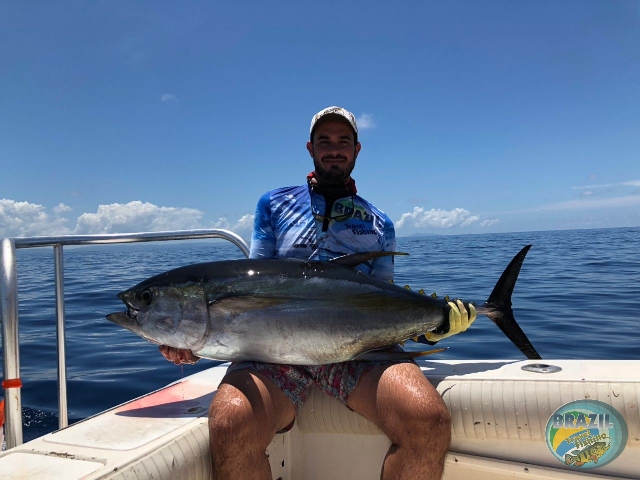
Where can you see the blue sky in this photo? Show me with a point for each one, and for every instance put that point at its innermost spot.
(476, 116)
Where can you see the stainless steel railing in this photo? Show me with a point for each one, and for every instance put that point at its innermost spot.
(9, 312)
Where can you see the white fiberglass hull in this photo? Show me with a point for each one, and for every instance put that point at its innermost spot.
(499, 415)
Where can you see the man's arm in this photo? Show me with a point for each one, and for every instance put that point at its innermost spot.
(263, 239)
(383, 267)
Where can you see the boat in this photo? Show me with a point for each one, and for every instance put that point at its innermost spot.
(501, 412)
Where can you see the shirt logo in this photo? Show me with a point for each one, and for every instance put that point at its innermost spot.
(351, 210)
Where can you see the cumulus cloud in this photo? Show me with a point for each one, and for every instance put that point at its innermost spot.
(458, 217)
(488, 223)
(137, 216)
(61, 208)
(242, 227)
(168, 97)
(24, 219)
(365, 121)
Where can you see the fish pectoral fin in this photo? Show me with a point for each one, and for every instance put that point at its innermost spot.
(244, 303)
(355, 259)
(386, 355)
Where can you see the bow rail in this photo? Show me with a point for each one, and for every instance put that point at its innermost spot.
(9, 312)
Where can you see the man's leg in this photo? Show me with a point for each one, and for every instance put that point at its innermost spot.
(409, 410)
(245, 414)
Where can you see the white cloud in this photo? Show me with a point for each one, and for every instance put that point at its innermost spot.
(137, 216)
(589, 203)
(629, 183)
(61, 208)
(604, 195)
(365, 121)
(24, 219)
(488, 223)
(222, 222)
(168, 97)
(597, 196)
(419, 218)
(243, 227)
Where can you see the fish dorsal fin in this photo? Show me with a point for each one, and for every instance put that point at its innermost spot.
(355, 259)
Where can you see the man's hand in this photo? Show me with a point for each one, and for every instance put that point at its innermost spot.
(459, 320)
(178, 356)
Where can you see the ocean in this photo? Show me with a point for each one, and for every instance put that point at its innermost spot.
(576, 298)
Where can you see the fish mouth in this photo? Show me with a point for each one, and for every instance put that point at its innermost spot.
(123, 319)
(128, 316)
(131, 311)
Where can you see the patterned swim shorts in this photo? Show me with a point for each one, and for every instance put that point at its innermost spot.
(337, 379)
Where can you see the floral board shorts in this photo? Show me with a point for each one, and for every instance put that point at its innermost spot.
(337, 379)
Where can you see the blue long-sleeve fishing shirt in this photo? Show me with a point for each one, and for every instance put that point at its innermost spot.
(292, 222)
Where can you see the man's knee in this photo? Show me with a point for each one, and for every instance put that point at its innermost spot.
(231, 419)
(420, 429)
(244, 412)
(435, 420)
(414, 413)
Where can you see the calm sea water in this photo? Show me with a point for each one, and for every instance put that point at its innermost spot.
(577, 297)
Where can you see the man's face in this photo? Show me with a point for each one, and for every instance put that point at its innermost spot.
(334, 151)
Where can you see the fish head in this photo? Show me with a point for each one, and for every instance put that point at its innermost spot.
(599, 448)
(169, 314)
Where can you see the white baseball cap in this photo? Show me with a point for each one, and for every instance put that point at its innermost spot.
(341, 112)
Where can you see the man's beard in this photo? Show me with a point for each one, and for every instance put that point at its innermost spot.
(335, 174)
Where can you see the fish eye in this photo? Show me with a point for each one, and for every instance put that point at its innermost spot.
(146, 296)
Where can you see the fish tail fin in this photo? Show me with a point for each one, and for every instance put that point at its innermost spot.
(393, 356)
(499, 305)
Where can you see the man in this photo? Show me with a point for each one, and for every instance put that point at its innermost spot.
(323, 219)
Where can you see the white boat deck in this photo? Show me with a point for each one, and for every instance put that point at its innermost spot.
(499, 417)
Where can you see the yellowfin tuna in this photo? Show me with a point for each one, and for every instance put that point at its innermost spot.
(297, 312)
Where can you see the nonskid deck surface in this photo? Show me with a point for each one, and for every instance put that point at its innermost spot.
(499, 412)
